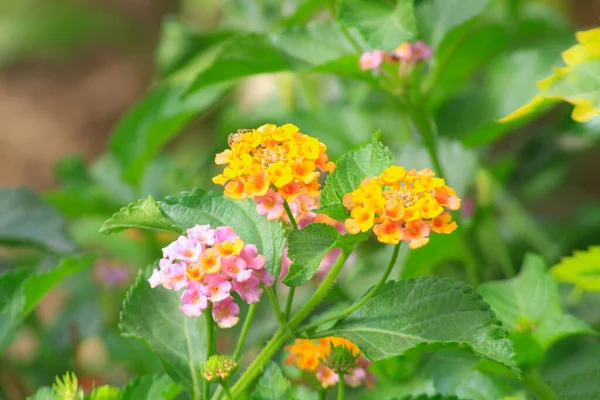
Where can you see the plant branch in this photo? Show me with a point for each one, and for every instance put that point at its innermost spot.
(244, 332)
(275, 303)
(290, 297)
(210, 343)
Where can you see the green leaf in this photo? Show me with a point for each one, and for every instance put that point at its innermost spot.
(43, 393)
(159, 387)
(428, 312)
(272, 385)
(153, 316)
(306, 249)
(22, 290)
(383, 25)
(152, 122)
(106, 392)
(143, 214)
(351, 169)
(530, 303)
(26, 219)
(582, 269)
(239, 57)
(200, 207)
(438, 17)
(441, 248)
(429, 397)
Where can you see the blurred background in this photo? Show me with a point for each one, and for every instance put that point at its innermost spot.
(70, 71)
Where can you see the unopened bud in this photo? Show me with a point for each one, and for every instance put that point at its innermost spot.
(341, 360)
(218, 368)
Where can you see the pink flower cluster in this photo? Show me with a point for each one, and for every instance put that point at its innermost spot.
(407, 54)
(209, 264)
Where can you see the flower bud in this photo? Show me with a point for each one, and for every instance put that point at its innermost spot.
(218, 367)
(341, 359)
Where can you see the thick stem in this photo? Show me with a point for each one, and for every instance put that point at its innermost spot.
(244, 332)
(284, 332)
(210, 343)
(225, 387)
(362, 301)
(322, 394)
(341, 387)
(275, 303)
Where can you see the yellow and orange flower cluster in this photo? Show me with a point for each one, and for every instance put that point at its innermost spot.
(402, 205)
(307, 355)
(272, 157)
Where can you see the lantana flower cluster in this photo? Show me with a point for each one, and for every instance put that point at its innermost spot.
(407, 55)
(277, 158)
(308, 355)
(210, 264)
(402, 205)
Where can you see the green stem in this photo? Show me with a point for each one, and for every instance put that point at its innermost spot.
(322, 394)
(341, 387)
(284, 332)
(425, 125)
(210, 343)
(290, 297)
(291, 217)
(331, 7)
(225, 387)
(362, 301)
(244, 332)
(275, 303)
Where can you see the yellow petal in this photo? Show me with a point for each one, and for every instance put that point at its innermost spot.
(589, 36)
(581, 53)
(535, 104)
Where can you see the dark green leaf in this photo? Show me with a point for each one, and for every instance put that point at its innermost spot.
(306, 249)
(143, 214)
(153, 316)
(159, 387)
(351, 169)
(382, 24)
(272, 385)
(26, 218)
(430, 312)
(200, 207)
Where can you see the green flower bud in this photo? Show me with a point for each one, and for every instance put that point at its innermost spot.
(341, 360)
(218, 368)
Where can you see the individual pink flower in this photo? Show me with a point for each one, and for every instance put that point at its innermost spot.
(421, 51)
(271, 205)
(237, 269)
(202, 234)
(254, 260)
(248, 290)
(371, 59)
(171, 275)
(194, 299)
(218, 288)
(224, 234)
(326, 376)
(303, 209)
(264, 277)
(225, 313)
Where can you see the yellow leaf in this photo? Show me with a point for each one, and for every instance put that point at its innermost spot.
(581, 269)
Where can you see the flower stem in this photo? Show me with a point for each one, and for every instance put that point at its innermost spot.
(225, 387)
(290, 297)
(284, 332)
(425, 125)
(341, 387)
(322, 394)
(275, 303)
(210, 343)
(291, 217)
(244, 332)
(362, 301)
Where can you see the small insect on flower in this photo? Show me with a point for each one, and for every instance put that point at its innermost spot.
(402, 205)
(209, 264)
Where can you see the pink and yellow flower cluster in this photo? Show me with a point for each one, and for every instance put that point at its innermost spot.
(209, 264)
(272, 158)
(308, 355)
(402, 205)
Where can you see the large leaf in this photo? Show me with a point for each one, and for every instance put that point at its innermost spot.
(159, 387)
(144, 213)
(153, 316)
(382, 24)
(153, 121)
(438, 17)
(200, 207)
(306, 249)
(351, 169)
(22, 290)
(581, 269)
(272, 385)
(530, 303)
(578, 83)
(26, 218)
(432, 311)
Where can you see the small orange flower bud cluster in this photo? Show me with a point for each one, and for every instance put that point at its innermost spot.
(272, 157)
(310, 355)
(402, 205)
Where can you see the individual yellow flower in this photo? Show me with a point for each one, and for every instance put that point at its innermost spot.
(402, 205)
(271, 157)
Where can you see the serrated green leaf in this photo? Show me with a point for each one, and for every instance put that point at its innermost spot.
(22, 290)
(351, 169)
(26, 219)
(106, 392)
(306, 249)
(152, 122)
(143, 214)
(530, 303)
(200, 207)
(153, 316)
(383, 25)
(582, 269)
(431, 312)
(272, 385)
(159, 387)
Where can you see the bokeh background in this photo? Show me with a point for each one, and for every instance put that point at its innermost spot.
(70, 70)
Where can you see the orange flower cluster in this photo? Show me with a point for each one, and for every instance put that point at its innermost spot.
(307, 355)
(402, 205)
(278, 157)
